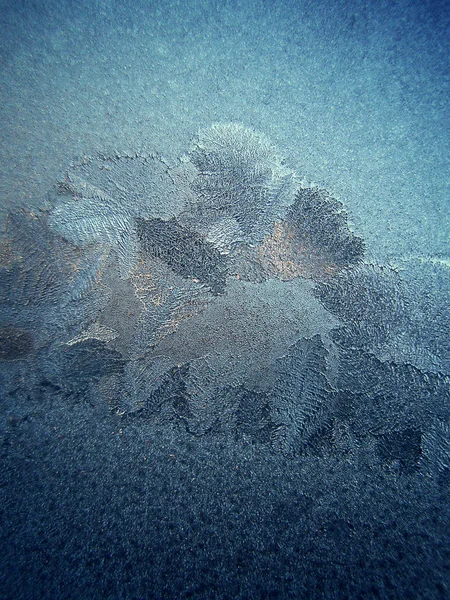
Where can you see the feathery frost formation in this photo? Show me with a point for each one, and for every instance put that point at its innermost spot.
(221, 295)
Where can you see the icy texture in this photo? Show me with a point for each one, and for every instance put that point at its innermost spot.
(386, 311)
(240, 176)
(321, 222)
(186, 252)
(302, 395)
(108, 195)
(220, 296)
(313, 240)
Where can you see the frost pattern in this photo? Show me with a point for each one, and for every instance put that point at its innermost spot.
(108, 194)
(302, 395)
(240, 176)
(219, 295)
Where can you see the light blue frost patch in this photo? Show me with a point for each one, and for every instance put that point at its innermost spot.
(108, 195)
(239, 337)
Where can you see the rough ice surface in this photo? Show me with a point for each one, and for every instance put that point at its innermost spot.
(205, 270)
(223, 299)
(227, 275)
(239, 176)
(108, 195)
